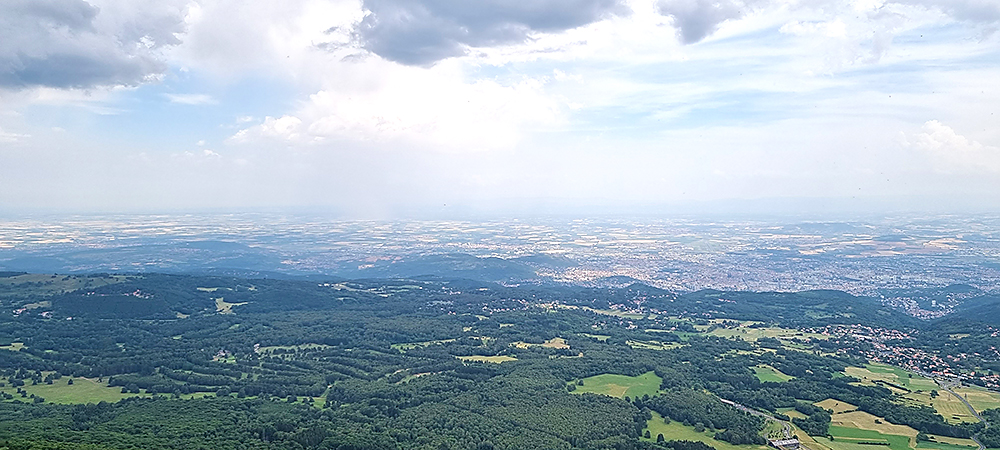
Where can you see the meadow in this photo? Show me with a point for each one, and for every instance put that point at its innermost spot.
(621, 385)
(766, 373)
(676, 431)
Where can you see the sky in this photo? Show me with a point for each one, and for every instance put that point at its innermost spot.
(396, 108)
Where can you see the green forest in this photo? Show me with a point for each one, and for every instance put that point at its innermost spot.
(192, 362)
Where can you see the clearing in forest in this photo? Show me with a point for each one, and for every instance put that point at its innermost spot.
(556, 343)
(766, 373)
(892, 376)
(489, 359)
(675, 431)
(836, 406)
(621, 385)
(413, 345)
(224, 307)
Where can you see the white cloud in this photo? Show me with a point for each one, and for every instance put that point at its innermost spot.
(11, 137)
(432, 108)
(951, 152)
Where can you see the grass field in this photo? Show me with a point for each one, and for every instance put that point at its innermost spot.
(615, 313)
(791, 412)
(675, 431)
(957, 442)
(766, 373)
(865, 421)
(654, 345)
(848, 438)
(889, 374)
(836, 406)
(945, 446)
(413, 345)
(270, 349)
(489, 359)
(745, 332)
(83, 390)
(949, 407)
(979, 398)
(621, 385)
(557, 343)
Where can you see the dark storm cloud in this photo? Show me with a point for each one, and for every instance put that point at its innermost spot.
(696, 19)
(421, 32)
(64, 44)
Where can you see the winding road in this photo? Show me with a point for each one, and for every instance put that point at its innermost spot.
(947, 385)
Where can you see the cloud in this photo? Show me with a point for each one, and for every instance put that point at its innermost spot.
(412, 106)
(422, 32)
(952, 152)
(191, 99)
(981, 11)
(76, 44)
(11, 137)
(696, 19)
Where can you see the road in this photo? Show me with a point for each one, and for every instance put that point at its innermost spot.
(947, 385)
(786, 427)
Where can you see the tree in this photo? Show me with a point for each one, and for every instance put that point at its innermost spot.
(659, 438)
(646, 434)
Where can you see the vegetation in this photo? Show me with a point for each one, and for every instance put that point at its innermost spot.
(165, 361)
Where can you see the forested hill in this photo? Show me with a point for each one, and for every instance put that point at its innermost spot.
(223, 362)
(166, 296)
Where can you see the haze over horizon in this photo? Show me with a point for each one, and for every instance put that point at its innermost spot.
(435, 108)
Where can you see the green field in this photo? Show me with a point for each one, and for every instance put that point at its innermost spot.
(675, 431)
(621, 385)
(846, 438)
(83, 390)
(889, 374)
(943, 446)
(767, 373)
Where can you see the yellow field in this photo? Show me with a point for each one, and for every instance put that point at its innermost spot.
(489, 359)
(864, 421)
(980, 398)
(223, 307)
(949, 407)
(557, 343)
(836, 406)
(954, 441)
(14, 346)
